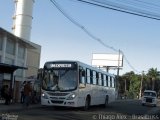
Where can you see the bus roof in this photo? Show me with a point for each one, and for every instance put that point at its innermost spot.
(82, 64)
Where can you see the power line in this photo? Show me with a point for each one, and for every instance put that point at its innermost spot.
(121, 9)
(139, 5)
(129, 63)
(129, 7)
(88, 32)
(81, 26)
(148, 3)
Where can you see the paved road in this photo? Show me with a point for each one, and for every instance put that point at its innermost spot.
(120, 110)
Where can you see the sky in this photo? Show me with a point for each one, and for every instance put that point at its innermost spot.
(137, 37)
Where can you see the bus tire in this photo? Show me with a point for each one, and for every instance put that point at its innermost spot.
(87, 103)
(105, 105)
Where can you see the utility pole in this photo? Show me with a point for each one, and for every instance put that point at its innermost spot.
(125, 85)
(140, 90)
(117, 86)
(118, 64)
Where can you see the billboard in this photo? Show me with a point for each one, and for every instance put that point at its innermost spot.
(109, 60)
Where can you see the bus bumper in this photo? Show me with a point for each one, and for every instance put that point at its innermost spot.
(65, 103)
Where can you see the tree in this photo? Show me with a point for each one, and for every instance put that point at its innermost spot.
(127, 80)
(131, 84)
(153, 75)
(134, 85)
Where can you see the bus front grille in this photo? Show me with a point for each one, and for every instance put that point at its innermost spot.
(57, 94)
(149, 100)
(57, 102)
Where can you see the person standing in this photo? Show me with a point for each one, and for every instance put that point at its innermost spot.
(22, 92)
(2, 91)
(27, 93)
(7, 95)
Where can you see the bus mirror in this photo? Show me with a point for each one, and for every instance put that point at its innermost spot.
(82, 85)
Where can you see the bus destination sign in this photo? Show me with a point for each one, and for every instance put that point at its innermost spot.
(61, 65)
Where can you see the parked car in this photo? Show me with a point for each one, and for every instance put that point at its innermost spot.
(149, 98)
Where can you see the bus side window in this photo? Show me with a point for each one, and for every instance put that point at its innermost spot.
(82, 76)
(113, 82)
(88, 76)
(109, 81)
(91, 76)
(94, 78)
(104, 80)
(99, 79)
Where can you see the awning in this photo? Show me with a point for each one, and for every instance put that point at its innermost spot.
(6, 68)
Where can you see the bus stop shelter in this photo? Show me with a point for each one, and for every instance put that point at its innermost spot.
(9, 69)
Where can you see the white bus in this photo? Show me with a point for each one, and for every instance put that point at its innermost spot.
(75, 84)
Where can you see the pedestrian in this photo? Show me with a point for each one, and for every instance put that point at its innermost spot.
(22, 92)
(7, 95)
(27, 93)
(2, 91)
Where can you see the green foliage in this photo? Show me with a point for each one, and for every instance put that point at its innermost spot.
(134, 86)
(130, 83)
(153, 75)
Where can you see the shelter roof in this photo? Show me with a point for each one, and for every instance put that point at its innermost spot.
(6, 68)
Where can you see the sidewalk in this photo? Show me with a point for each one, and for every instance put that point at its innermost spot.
(14, 107)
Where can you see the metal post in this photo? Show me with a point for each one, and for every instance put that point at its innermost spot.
(125, 85)
(140, 90)
(118, 64)
(118, 71)
(11, 85)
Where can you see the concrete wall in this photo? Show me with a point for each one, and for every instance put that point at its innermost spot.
(31, 59)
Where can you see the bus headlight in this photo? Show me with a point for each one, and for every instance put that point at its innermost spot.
(143, 99)
(44, 96)
(153, 100)
(72, 96)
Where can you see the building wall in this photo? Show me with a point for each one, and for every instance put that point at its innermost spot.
(33, 61)
(12, 52)
(18, 52)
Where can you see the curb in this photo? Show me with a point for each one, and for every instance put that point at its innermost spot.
(17, 108)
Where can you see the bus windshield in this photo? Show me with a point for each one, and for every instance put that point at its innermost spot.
(150, 94)
(60, 80)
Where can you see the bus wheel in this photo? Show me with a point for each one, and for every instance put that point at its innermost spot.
(106, 102)
(87, 104)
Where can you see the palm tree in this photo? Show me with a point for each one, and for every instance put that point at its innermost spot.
(153, 74)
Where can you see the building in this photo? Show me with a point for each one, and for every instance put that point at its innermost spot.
(19, 52)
